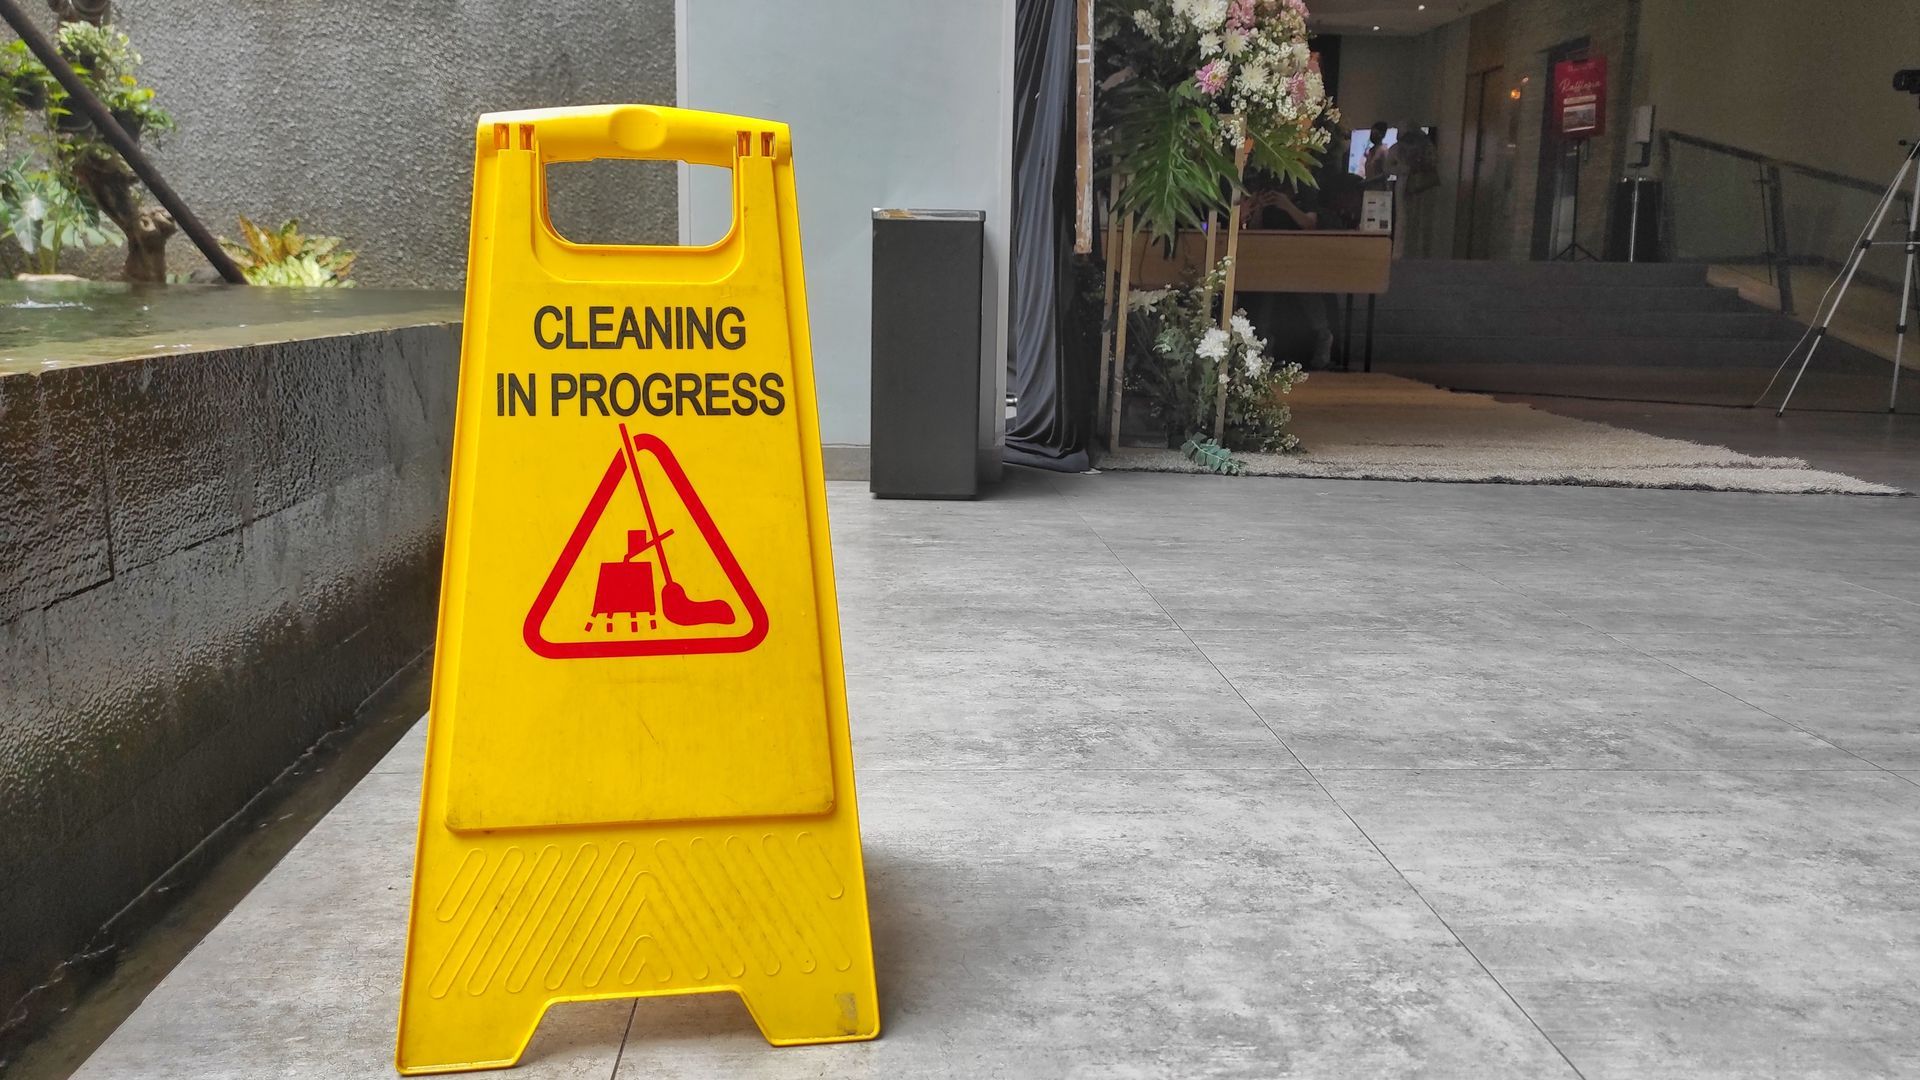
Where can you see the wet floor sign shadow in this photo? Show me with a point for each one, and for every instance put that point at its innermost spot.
(638, 778)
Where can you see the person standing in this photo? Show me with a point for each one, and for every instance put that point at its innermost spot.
(1332, 203)
(1415, 166)
(1374, 165)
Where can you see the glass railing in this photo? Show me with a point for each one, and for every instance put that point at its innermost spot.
(1790, 225)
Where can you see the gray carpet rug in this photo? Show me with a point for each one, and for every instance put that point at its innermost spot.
(1383, 427)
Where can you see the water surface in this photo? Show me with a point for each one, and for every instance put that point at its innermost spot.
(47, 324)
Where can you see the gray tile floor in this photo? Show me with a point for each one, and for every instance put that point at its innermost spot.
(1187, 776)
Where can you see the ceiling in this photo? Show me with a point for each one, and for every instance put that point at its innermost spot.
(1391, 16)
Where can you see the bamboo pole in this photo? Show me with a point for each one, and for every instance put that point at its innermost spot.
(1120, 335)
(1083, 127)
(1108, 276)
(1226, 299)
(1206, 268)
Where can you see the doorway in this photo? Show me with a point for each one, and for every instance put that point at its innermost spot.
(1486, 162)
(1557, 191)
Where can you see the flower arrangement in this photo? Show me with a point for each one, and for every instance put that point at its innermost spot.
(1194, 92)
(1194, 81)
(1255, 62)
(1190, 354)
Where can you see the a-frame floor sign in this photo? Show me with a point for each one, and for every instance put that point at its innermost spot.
(638, 778)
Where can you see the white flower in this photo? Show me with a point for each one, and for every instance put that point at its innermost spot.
(1146, 298)
(1254, 361)
(1209, 44)
(1253, 77)
(1243, 328)
(1148, 25)
(1213, 345)
(1235, 43)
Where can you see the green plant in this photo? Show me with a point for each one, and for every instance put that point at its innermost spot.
(132, 106)
(1178, 355)
(1167, 143)
(23, 79)
(287, 256)
(102, 51)
(46, 216)
(104, 57)
(65, 144)
(1211, 456)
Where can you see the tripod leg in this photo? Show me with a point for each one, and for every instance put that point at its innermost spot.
(1846, 279)
(1906, 290)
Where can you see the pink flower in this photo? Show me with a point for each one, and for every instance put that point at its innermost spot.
(1240, 15)
(1212, 78)
(1297, 89)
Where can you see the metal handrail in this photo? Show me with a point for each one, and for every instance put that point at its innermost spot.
(1777, 254)
(1814, 171)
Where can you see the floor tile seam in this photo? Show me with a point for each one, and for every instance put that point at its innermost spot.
(1442, 920)
(1168, 615)
(1074, 770)
(1869, 767)
(1404, 880)
(1762, 711)
(626, 1033)
(1879, 592)
(1407, 882)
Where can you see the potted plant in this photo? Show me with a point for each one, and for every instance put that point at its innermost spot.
(133, 109)
(66, 119)
(102, 51)
(23, 79)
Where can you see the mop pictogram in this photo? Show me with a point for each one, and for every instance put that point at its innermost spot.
(637, 606)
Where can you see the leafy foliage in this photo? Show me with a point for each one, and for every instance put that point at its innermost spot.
(104, 57)
(1211, 456)
(1166, 141)
(46, 215)
(23, 81)
(1284, 154)
(1178, 355)
(287, 256)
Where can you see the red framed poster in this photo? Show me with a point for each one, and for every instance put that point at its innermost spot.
(1580, 97)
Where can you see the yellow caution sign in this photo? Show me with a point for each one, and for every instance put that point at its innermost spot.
(638, 778)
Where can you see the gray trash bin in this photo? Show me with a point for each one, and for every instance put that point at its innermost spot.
(926, 353)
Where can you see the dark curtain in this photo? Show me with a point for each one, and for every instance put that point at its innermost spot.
(1050, 422)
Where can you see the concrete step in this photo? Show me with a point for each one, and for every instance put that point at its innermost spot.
(1529, 274)
(1427, 295)
(1475, 321)
(1653, 352)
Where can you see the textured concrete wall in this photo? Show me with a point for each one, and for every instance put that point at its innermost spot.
(206, 561)
(357, 116)
(1803, 82)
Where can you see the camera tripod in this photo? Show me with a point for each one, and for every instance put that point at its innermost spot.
(1866, 243)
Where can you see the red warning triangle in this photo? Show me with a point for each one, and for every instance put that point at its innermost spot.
(637, 606)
